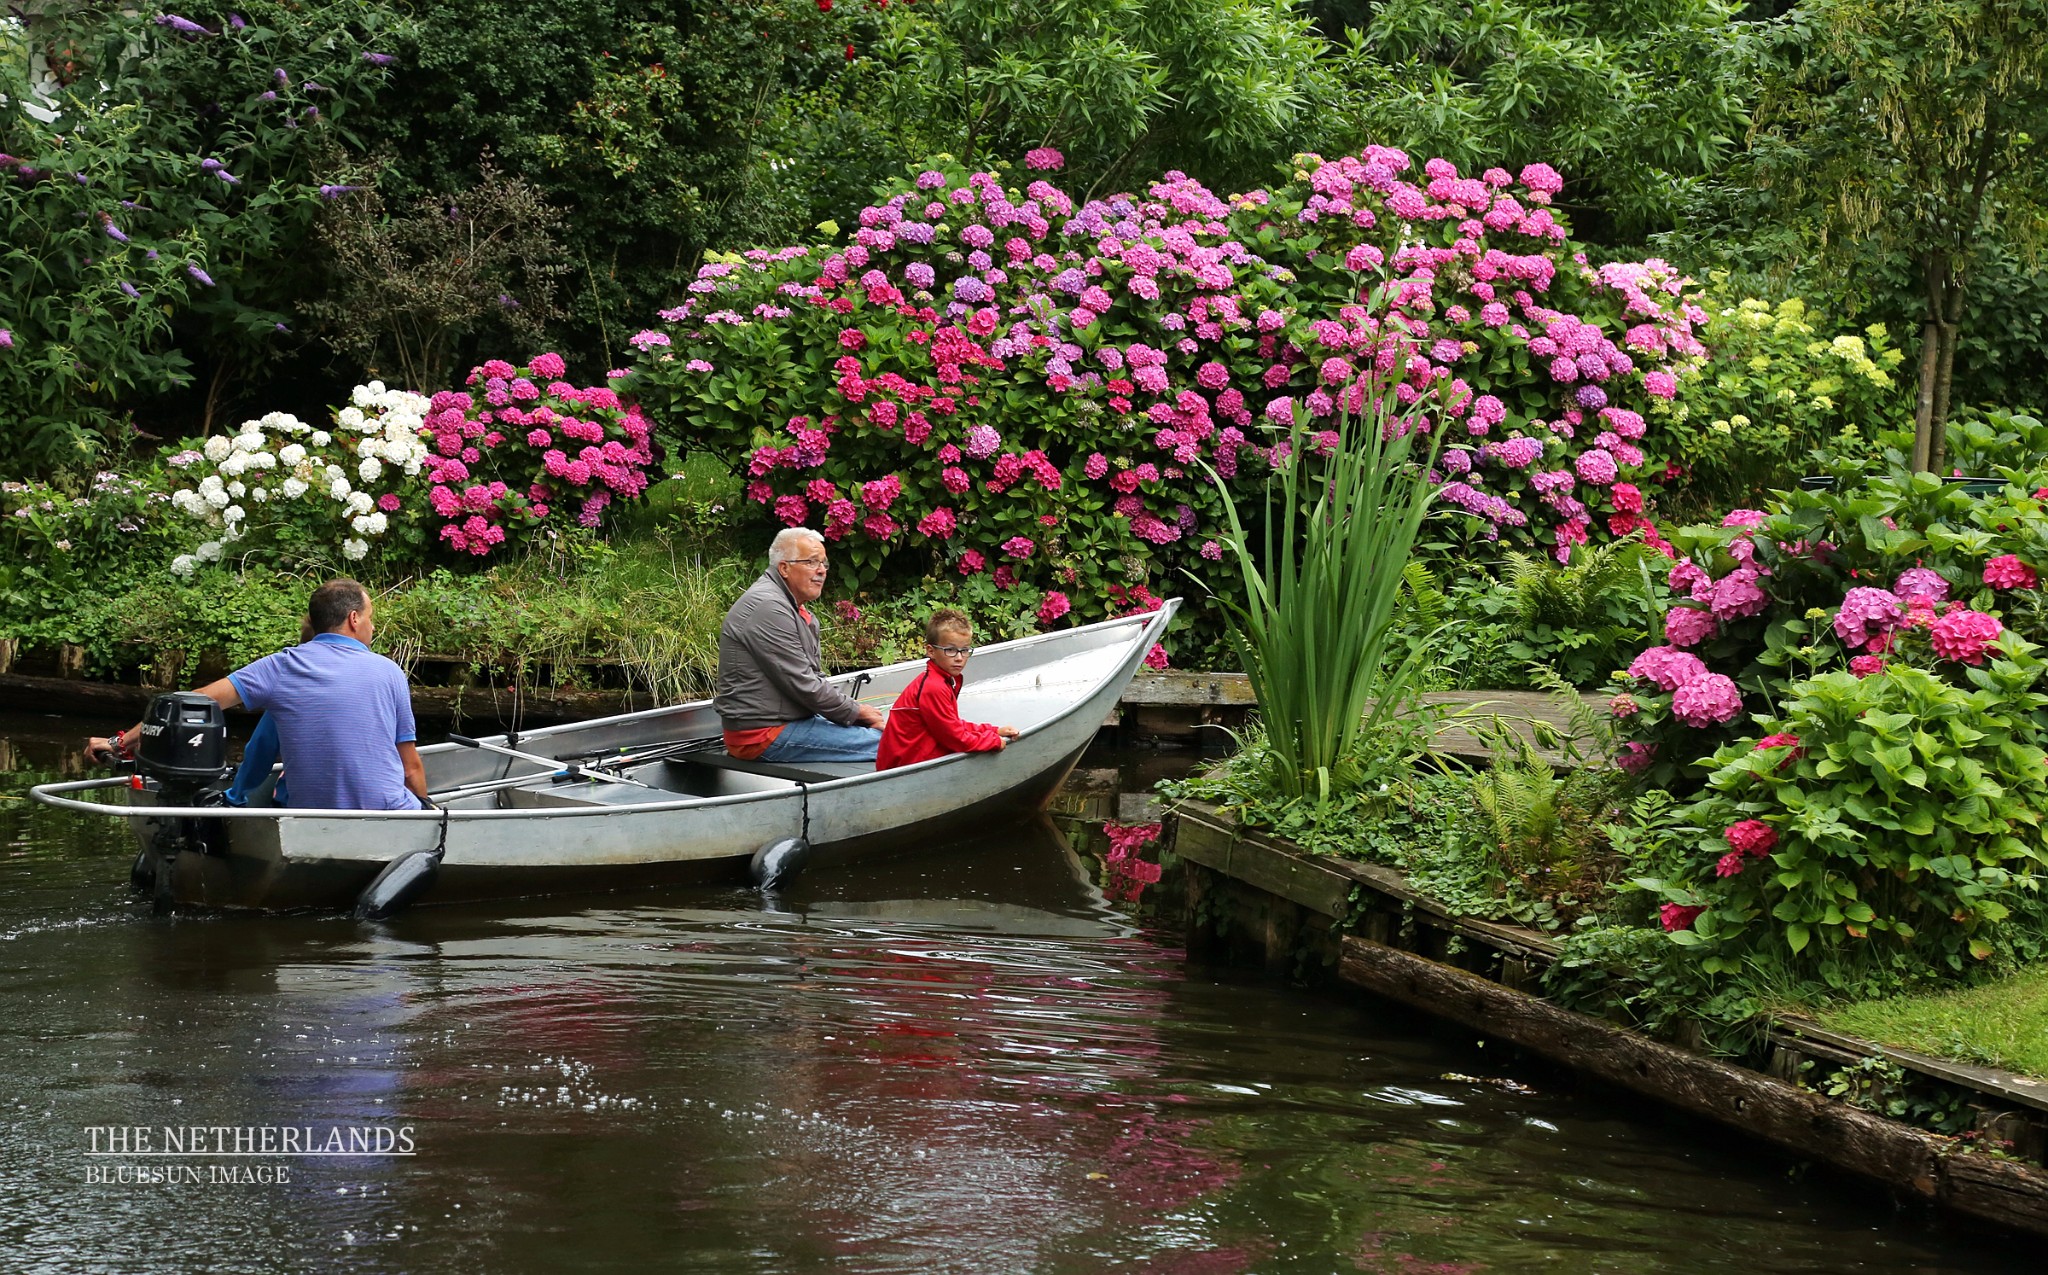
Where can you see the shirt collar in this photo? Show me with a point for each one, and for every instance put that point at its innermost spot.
(337, 639)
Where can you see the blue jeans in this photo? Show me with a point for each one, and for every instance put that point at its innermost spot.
(258, 756)
(815, 739)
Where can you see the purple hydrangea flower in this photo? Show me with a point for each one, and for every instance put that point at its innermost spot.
(1921, 582)
(1865, 614)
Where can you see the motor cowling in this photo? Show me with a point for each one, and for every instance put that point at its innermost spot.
(184, 744)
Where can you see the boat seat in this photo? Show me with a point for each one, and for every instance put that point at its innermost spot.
(810, 772)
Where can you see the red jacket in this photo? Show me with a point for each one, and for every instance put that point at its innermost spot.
(925, 723)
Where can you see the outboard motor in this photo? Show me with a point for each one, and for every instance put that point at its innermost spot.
(181, 760)
(184, 748)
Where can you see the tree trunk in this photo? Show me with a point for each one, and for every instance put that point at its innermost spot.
(1923, 412)
(1944, 380)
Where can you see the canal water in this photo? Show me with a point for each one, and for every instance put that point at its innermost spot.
(965, 1059)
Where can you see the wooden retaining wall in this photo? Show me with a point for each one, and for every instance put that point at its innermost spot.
(1267, 901)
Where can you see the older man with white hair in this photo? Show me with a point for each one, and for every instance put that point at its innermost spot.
(773, 700)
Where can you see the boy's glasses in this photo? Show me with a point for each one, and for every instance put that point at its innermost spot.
(961, 652)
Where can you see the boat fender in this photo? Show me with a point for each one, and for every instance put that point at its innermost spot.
(142, 875)
(777, 862)
(402, 880)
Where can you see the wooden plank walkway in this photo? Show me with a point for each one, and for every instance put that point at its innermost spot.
(1226, 696)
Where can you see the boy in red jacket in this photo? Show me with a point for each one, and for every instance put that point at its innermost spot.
(925, 721)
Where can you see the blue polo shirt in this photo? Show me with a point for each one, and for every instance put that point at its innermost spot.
(341, 710)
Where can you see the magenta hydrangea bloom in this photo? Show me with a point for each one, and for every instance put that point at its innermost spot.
(1054, 606)
(1864, 665)
(1667, 666)
(1689, 626)
(1751, 837)
(1516, 453)
(1044, 159)
(1744, 518)
(1678, 916)
(1867, 613)
(2006, 571)
(1597, 467)
(1706, 700)
(1636, 757)
(1738, 594)
(1963, 635)
(1920, 582)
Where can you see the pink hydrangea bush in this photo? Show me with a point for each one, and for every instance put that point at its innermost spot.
(520, 448)
(1015, 365)
(1818, 582)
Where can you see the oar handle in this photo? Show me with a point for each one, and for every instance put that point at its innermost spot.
(463, 740)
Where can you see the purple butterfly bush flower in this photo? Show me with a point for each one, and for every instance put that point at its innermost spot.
(129, 288)
(236, 21)
(6, 339)
(113, 232)
(281, 77)
(200, 275)
(379, 59)
(336, 192)
(266, 97)
(183, 26)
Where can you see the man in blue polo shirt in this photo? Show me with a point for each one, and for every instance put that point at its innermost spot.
(343, 712)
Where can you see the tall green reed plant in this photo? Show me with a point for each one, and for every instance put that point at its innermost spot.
(1320, 591)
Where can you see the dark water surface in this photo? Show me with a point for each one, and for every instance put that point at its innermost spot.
(963, 1060)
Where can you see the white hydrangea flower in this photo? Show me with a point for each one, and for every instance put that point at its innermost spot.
(293, 488)
(219, 498)
(249, 442)
(235, 464)
(262, 460)
(354, 549)
(359, 502)
(369, 470)
(339, 489)
(237, 490)
(209, 485)
(291, 453)
(321, 438)
(350, 418)
(259, 494)
(190, 503)
(379, 523)
(184, 564)
(335, 473)
(208, 552)
(218, 447)
(233, 514)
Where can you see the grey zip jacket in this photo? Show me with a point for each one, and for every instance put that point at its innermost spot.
(769, 668)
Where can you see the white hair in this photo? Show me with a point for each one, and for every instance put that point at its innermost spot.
(790, 543)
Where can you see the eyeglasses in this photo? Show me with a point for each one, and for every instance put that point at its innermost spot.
(961, 651)
(819, 563)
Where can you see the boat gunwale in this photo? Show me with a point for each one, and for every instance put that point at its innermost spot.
(1153, 623)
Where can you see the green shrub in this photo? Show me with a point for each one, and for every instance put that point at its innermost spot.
(1889, 828)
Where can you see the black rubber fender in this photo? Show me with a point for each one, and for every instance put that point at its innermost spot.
(777, 863)
(401, 881)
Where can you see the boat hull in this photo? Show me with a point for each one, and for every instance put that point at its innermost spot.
(514, 829)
